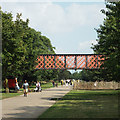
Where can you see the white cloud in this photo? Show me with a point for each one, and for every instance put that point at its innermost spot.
(84, 47)
(53, 18)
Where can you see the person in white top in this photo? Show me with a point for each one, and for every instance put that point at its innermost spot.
(16, 85)
(25, 87)
(38, 87)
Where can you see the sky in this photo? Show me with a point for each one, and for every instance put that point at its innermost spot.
(70, 25)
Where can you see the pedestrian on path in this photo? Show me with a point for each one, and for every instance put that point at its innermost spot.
(56, 84)
(62, 82)
(38, 87)
(16, 85)
(25, 87)
(53, 83)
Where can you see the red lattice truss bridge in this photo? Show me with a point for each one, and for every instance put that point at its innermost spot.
(70, 61)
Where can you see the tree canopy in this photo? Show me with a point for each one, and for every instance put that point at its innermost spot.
(109, 41)
(21, 45)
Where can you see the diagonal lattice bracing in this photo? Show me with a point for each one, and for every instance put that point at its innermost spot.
(69, 61)
(81, 62)
(92, 61)
(60, 62)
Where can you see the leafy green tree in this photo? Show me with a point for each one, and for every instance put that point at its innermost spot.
(90, 75)
(75, 75)
(13, 49)
(21, 47)
(109, 41)
(64, 74)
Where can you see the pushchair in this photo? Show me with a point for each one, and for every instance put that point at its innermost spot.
(38, 89)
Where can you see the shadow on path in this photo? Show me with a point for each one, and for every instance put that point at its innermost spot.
(29, 108)
(26, 111)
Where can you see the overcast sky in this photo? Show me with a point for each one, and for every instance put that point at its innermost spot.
(69, 25)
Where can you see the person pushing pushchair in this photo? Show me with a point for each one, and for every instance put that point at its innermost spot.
(38, 87)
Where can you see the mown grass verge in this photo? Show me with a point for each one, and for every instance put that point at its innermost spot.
(8, 95)
(85, 104)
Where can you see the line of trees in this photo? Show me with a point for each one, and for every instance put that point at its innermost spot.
(21, 45)
(109, 42)
(86, 75)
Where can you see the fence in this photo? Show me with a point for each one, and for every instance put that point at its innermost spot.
(78, 85)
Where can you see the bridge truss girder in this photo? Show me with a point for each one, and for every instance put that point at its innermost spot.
(69, 61)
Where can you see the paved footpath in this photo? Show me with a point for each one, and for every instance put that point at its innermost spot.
(33, 105)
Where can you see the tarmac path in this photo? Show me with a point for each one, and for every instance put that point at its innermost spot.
(33, 105)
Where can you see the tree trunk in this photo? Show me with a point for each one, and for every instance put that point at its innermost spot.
(6, 84)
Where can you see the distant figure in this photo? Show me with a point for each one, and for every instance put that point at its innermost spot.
(25, 87)
(16, 85)
(66, 83)
(95, 84)
(53, 83)
(38, 87)
(70, 82)
(56, 84)
(62, 82)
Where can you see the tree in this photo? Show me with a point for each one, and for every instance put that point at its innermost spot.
(21, 47)
(64, 74)
(109, 41)
(13, 48)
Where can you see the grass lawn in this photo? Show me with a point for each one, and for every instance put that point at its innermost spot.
(85, 104)
(8, 95)
(48, 85)
(43, 86)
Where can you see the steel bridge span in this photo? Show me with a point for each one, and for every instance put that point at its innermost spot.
(70, 61)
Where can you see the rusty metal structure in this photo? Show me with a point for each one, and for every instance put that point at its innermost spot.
(69, 61)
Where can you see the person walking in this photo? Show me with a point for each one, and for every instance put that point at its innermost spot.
(16, 85)
(25, 87)
(62, 82)
(53, 83)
